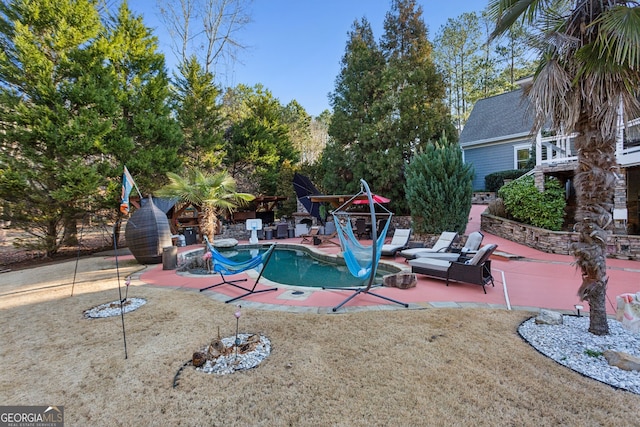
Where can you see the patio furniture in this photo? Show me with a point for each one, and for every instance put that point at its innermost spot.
(476, 270)
(147, 233)
(282, 231)
(308, 238)
(443, 244)
(399, 241)
(361, 228)
(223, 265)
(469, 249)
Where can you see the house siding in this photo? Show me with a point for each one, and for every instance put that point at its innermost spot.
(490, 159)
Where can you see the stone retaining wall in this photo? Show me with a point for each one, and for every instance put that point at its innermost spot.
(621, 246)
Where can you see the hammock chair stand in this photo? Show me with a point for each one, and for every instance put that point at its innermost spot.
(374, 236)
(367, 290)
(234, 283)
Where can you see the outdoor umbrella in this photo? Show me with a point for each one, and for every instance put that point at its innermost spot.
(304, 189)
(375, 197)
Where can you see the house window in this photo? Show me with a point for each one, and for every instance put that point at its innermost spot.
(521, 155)
(632, 136)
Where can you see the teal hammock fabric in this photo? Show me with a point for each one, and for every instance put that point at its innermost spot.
(224, 265)
(358, 257)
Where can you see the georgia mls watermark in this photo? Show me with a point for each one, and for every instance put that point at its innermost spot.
(31, 416)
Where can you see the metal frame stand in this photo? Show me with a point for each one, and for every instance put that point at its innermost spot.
(248, 291)
(358, 291)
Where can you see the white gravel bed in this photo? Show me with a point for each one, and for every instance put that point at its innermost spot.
(223, 365)
(571, 345)
(113, 308)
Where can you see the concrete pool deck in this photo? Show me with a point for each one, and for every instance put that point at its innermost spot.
(525, 279)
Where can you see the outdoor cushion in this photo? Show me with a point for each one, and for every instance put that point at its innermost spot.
(431, 263)
(443, 243)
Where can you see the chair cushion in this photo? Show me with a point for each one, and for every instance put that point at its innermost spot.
(473, 242)
(430, 263)
(480, 256)
(447, 256)
(401, 237)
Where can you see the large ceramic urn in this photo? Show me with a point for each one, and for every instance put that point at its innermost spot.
(147, 233)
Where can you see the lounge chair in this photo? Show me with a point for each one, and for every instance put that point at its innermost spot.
(308, 238)
(476, 270)
(443, 244)
(326, 238)
(471, 246)
(399, 241)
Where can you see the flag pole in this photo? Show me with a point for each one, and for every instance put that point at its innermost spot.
(75, 271)
(115, 247)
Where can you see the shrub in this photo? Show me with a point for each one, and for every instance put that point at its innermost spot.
(494, 181)
(439, 189)
(525, 203)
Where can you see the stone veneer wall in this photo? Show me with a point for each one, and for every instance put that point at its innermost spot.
(620, 246)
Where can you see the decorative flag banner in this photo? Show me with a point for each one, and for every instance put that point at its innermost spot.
(127, 186)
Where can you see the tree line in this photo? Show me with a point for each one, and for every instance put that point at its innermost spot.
(84, 90)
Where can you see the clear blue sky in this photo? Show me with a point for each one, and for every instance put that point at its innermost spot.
(294, 47)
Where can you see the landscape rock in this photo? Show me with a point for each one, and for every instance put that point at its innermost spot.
(622, 360)
(400, 280)
(548, 317)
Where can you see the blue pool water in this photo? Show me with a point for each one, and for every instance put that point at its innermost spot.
(299, 268)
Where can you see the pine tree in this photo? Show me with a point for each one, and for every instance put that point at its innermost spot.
(355, 122)
(439, 189)
(195, 98)
(258, 140)
(56, 108)
(146, 137)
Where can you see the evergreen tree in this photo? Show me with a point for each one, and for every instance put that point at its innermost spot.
(355, 122)
(258, 141)
(195, 104)
(457, 51)
(145, 137)
(439, 189)
(56, 104)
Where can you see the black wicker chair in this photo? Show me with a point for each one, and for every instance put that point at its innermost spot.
(476, 270)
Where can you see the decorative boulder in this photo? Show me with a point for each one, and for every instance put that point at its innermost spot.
(400, 280)
(147, 233)
(624, 361)
(548, 317)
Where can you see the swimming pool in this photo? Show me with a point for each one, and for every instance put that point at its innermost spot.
(298, 267)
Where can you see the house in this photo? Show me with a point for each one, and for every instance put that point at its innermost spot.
(497, 137)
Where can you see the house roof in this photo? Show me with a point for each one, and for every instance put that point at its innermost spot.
(498, 117)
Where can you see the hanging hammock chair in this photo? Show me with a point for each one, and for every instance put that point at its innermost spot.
(225, 266)
(362, 261)
(359, 258)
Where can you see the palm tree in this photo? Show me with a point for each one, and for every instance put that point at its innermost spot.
(212, 192)
(588, 75)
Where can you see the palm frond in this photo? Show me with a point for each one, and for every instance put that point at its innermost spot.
(619, 36)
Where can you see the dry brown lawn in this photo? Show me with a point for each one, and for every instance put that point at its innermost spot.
(386, 368)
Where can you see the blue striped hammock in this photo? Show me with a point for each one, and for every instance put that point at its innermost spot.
(224, 265)
(359, 258)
